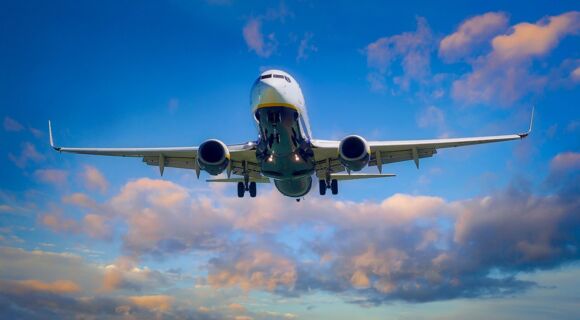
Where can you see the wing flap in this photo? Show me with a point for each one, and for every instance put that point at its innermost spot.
(357, 176)
(236, 180)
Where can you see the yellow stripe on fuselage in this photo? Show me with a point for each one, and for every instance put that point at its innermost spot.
(277, 104)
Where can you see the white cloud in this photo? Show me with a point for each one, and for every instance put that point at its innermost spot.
(505, 74)
(472, 33)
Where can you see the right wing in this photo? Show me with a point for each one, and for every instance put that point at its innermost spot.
(384, 152)
(177, 157)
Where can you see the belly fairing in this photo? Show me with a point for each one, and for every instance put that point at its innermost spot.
(294, 187)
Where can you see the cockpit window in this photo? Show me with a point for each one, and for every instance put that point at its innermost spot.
(278, 76)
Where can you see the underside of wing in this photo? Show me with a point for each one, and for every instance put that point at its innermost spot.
(242, 157)
(328, 153)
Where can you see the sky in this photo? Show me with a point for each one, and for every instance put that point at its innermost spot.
(489, 231)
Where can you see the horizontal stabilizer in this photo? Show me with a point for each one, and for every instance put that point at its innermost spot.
(360, 176)
(236, 180)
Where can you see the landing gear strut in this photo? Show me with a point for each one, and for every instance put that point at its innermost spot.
(332, 185)
(243, 187)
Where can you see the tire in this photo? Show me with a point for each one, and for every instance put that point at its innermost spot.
(334, 186)
(241, 189)
(253, 190)
(322, 187)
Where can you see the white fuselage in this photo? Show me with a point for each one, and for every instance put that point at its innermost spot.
(284, 151)
(279, 89)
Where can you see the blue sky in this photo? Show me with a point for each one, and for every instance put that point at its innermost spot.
(481, 231)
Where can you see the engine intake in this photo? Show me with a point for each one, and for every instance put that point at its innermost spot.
(354, 152)
(213, 156)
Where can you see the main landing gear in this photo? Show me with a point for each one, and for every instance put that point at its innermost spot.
(243, 187)
(323, 185)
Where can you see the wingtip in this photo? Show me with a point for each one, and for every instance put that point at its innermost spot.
(527, 133)
(50, 137)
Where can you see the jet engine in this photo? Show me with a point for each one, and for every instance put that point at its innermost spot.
(354, 152)
(213, 156)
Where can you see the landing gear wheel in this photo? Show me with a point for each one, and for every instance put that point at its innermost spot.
(241, 189)
(252, 189)
(322, 187)
(334, 186)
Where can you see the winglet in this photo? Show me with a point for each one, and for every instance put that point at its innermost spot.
(50, 136)
(525, 134)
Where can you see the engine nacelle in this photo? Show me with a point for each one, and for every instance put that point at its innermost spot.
(213, 156)
(354, 152)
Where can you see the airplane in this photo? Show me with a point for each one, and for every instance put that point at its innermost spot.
(285, 150)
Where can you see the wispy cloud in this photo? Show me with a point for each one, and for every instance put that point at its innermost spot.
(264, 46)
(28, 154)
(93, 179)
(412, 49)
(12, 125)
(306, 47)
(55, 177)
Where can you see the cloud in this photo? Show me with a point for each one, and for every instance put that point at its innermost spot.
(65, 286)
(58, 286)
(173, 105)
(80, 199)
(54, 272)
(56, 222)
(55, 177)
(412, 49)
(405, 247)
(563, 168)
(28, 153)
(97, 226)
(472, 33)
(263, 46)
(125, 274)
(12, 125)
(164, 219)
(94, 179)
(528, 40)
(306, 47)
(566, 161)
(432, 117)
(504, 75)
(252, 268)
(575, 75)
(153, 303)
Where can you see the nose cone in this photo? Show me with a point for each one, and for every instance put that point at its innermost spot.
(264, 92)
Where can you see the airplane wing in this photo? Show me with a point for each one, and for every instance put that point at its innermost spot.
(176, 157)
(383, 152)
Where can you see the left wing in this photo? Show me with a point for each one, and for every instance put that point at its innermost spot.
(383, 152)
(177, 157)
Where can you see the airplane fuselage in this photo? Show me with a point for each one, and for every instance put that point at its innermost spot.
(284, 151)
